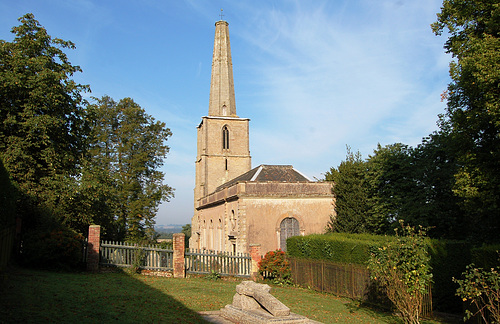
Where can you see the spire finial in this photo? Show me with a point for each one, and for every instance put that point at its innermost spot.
(221, 15)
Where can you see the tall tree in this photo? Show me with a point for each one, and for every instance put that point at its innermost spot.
(390, 181)
(350, 190)
(473, 110)
(126, 149)
(41, 116)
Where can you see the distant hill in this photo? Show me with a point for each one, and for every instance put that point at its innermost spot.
(170, 228)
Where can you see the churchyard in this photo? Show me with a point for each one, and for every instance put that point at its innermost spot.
(35, 296)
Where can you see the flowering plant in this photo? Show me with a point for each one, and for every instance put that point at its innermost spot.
(402, 268)
(481, 289)
(275, 266)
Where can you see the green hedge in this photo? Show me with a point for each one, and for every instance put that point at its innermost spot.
(448, 258)
(337, 247)
(486, 257)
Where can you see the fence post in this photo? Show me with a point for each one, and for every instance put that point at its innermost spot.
(93, 246)
(256, 254)
(179, 249)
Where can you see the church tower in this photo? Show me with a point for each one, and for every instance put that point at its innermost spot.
(223, 137)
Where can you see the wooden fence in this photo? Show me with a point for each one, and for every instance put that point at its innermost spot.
(349, 280)
(148, 257)
(119, 254)
(223, 263)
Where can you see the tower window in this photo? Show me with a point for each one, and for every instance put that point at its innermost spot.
(225, 138)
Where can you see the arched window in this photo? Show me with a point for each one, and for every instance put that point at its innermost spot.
(288, 227)
(225, 138)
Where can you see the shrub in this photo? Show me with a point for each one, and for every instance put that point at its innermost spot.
(57, 247)
(481, 289)
(275, 266)
(402, 269)
(8, 196)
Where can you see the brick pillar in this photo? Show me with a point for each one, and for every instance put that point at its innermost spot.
(179, 249)
(93, 246)
(256, 254)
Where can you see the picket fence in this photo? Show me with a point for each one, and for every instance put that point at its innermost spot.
(152, 257)
(223, 263)
(149, 257)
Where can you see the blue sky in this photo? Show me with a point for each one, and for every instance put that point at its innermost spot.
(313, 76)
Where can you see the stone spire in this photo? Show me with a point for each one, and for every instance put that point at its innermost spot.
(222, 101)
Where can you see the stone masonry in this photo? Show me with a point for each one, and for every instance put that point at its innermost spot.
(254, 304)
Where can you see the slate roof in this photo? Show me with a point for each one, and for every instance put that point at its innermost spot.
(268, 173)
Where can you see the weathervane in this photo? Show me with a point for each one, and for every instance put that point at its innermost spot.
(221, 15)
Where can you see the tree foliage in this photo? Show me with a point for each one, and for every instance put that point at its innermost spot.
(75, 163)
(121, 177)
(350, 190)
(473, 109)
(41, 110)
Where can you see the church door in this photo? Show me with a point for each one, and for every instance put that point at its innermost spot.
(288, 227)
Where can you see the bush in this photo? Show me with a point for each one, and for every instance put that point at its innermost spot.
(481, 290)
(402, 268)
(8, 196)
(58, 248)
(275, 266)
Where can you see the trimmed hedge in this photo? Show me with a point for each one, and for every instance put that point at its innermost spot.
(448, 258)
(335, 247)
(486, 256)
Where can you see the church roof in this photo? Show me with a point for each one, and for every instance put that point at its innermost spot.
(268, 173)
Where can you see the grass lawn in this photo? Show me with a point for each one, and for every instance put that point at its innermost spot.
(30, 296)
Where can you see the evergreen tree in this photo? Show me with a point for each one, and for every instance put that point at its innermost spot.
(351, 195)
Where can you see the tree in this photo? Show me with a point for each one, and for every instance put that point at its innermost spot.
(351, 195)
(121, 179)
(473, 108)
(390, 182)
(435, 204)
(186, 229)
(41, 118)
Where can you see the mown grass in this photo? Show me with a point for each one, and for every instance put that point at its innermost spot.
(30, 296)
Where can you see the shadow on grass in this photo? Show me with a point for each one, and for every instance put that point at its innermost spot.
(33, 296)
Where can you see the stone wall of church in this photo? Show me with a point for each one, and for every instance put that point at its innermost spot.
(264, 216)
(214, 164)
(221, 227)
(251, 213)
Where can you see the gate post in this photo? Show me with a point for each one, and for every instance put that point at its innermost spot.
(256, 254)
(179, 249)
(93, 247)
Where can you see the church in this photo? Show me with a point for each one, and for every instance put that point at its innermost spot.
(235, 205)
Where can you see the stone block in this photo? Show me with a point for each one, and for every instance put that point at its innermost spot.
(245, 302)
(261, 293)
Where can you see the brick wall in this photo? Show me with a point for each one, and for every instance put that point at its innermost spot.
(93, 247)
